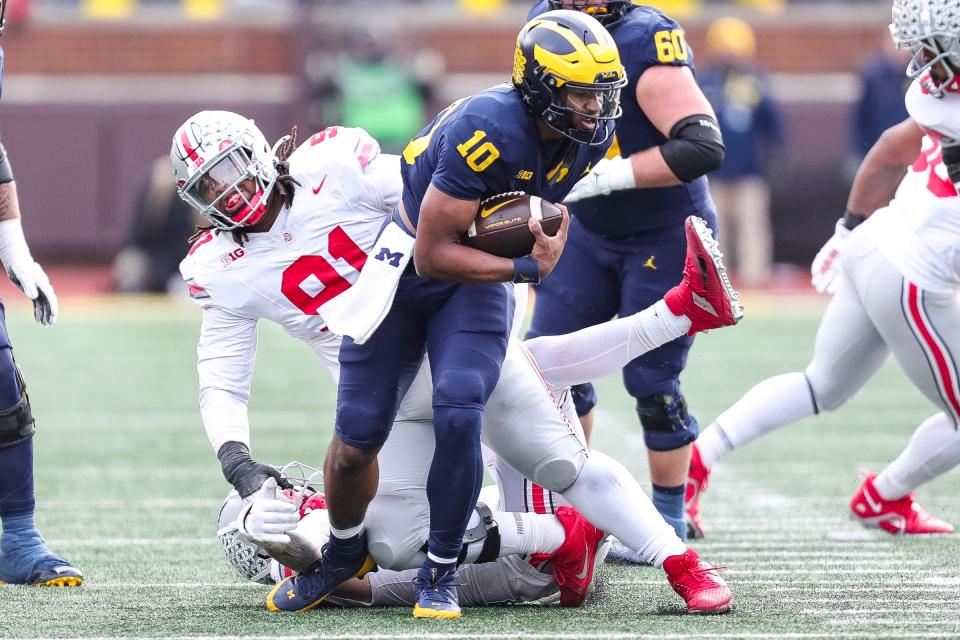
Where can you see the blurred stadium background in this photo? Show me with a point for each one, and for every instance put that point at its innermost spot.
(94, 88)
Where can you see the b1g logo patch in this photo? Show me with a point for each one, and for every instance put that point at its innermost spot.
(229, 258)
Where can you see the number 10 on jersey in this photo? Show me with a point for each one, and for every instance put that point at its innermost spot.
(478, 158)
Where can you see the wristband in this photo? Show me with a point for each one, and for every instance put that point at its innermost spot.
(526, 270)
(851, 219)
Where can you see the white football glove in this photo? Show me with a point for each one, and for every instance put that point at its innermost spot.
(267, 520)
(609, 174)
(26, 273)
(825, 269)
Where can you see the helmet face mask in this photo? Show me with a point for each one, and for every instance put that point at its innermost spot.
(606, 12)
(224, 168)
(252, 561)
(567, 70)
(930, 30)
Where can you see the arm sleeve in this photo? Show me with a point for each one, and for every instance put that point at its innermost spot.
(225, 359)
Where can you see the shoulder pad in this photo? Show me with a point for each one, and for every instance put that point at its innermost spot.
(647, 37)
(504, 124)
(202, 261)
(333, 149)
(938, 115)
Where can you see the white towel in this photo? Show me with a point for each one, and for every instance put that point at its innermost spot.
(358, 311)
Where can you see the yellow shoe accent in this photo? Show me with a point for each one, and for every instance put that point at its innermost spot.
(67, 581)
(368, 566)
(420, 612)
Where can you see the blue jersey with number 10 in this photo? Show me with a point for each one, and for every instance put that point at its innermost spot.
(488, 144)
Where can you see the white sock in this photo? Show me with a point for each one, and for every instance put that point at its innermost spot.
(612, 499)
(771, 404)
(605, 348)
(933, 449)
(667, 327)
(346, 533)
(526, 533)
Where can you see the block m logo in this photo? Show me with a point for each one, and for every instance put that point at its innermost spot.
(386, 255)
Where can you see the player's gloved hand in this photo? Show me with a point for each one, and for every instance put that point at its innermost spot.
(547, 249)
(26, 273)
(610, 174)
(825, 269)
(33, 281)
(267, 520)
(246, 474)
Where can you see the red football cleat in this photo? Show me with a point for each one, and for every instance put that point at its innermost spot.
(697, 478)
(697, 583)
(705, 294)
(574, 561)
(899, 517)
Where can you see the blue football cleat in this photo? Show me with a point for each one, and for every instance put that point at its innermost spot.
(338, 563)
(48, 571)
(436, 594)
(622, 554)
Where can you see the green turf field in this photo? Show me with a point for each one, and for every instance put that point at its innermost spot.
(129, 491)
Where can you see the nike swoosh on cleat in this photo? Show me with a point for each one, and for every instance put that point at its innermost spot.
(703, 304)
(873, 504)
(586, 563)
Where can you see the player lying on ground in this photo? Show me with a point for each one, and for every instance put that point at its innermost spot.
(307, 246)
(293, 525)
(398, 517)
(894, 291)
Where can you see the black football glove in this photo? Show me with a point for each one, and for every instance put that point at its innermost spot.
(243, 472)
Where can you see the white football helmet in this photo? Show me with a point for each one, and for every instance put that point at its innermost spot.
(930, 29)
(224, 168)
(306, 541)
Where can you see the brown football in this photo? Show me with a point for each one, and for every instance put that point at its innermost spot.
(501, 228)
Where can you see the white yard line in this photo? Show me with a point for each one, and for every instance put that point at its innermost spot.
(599, 635)
(842, 586)
(132, 542)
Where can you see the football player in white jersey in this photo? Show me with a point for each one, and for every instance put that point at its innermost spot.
(894, 290)
(292, 231)
(294, 537)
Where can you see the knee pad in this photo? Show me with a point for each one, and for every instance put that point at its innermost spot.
(584, 397)
(666, 423)
(17, 424)
(363, 425)
(461, 387)
(559, 474)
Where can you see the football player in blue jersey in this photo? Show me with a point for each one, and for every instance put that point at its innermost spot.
(626, 237)
(538, 134)
(24, 558)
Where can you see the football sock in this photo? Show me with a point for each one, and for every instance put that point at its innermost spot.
(442, 567)
(344, 534)
(933, 449)
(526, 533)
(771, 404)
(608, 496)
(669, 502)
(605, 348)
(455, 478)
(16, 485)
